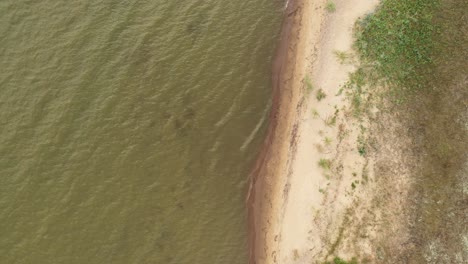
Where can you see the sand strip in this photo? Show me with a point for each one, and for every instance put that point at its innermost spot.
(294, 203)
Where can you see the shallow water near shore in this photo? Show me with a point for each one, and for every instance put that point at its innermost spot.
(128, 128)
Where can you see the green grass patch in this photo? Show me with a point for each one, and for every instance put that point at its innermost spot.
(308, 84)
(338, 260)
(330, 6)
(397, 42)
(325, 164)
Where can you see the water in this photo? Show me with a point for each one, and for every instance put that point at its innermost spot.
(127, 128)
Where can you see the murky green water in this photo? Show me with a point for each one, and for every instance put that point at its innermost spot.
(127, 128)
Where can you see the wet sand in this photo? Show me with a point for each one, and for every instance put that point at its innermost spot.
(279, 141)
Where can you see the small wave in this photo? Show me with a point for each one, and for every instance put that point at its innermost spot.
(255, 130)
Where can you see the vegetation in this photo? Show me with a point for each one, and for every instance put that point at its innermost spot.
(394, 45)
(415, 51)
(341, 56)
(362, 150)
(315, 113)
(308, 83)
(354, 184)
(361, 145)
(331, 120)
(330, 6)
(320, 95)
(338, 260)
(325, 164)
(355, 90)
(396, 41)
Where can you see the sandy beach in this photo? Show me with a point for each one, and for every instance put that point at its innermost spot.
(303, 183)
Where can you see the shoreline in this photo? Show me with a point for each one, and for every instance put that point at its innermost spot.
(285, 162)
(281, 130)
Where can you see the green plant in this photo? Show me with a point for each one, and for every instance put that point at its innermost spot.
(315, 113)
(341, 56)
(355, 91)
(308, 83)
(327, 141)
(320, 95)
(338, 260)
(325, 164)
(331, 120)
(340, 91)
(330, 6)
(354, 184)
(362, 150)
(361, 145)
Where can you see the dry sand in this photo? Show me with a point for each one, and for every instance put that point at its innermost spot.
(298, 210)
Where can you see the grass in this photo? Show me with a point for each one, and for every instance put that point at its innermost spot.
(342, 132)
(330, 6)
(361, 145)
(402, 49)
(341, 56)
(327, 141)
(325, 164)
(354, 184)
(394, 45)
(396, 41)
(354, 87)
(338, 260)
(320, 95)
(308, 84)
(362, 150)
(331, 120)
(315, 113)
